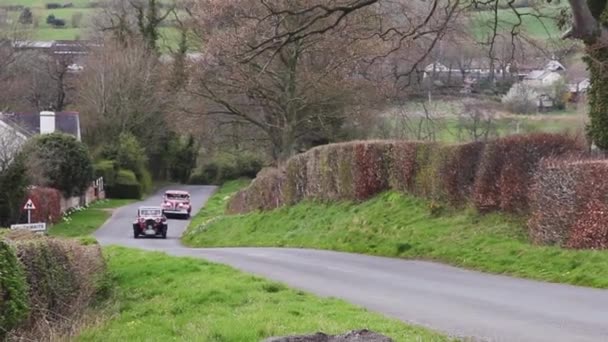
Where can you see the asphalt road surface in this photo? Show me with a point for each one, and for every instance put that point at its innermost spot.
(458, 302)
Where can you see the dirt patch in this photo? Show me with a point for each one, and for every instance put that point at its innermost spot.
(353, 336)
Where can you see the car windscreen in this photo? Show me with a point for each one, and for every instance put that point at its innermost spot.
(149, 212)
(177, 196)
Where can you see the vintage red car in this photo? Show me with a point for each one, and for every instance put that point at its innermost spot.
(177, 203)
(150, 222)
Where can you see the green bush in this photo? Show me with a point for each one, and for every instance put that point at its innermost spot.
(207, 175)
(128, 154)
(125, 187)
(106, 169)
(13, 291)
(13, 182)
(59, 161)
(145, 181)
(183, 155)
(226, 167)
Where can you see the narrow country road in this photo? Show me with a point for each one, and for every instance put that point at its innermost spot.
(458, 302)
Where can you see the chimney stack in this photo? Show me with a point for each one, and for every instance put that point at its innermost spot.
(47, 122)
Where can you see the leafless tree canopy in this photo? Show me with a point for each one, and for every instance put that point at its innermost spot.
(121, 90)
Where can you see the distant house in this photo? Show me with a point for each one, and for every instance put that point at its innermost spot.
(11, 139)
(16, 129)
(465, 75)
(191, 57)
(30, 124)
(66, 50)
(578, 89)
(551, 73)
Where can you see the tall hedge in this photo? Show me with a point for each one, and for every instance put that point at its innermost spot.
(569, 201)
(63, 278)
(48, 205)
(266, 192)
(125, 186)
(459, 169)
(494, 176)
(371, 165)
(508, 165)
(13, 291)
(403, 165)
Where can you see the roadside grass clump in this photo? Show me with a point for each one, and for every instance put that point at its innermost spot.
(62, 278)
(400, 225)
(169, 298)
(86, 221)
(216, 205)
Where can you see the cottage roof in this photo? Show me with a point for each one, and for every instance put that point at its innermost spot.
(29, 123)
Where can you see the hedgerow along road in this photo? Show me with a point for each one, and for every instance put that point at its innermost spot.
(457, 302)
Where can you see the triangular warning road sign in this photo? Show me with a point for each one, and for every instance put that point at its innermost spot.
(29, 205)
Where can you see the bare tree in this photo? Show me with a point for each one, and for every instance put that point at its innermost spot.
(127, 20)
(476, 122)
(10, 144)
(296, 95)
(122, 90)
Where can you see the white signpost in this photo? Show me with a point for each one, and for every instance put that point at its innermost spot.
(34, 227)
(29, 206)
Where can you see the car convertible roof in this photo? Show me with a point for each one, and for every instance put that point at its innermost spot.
(177, 192)
(150, 208)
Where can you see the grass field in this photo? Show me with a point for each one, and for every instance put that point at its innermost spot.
(534, 26)
(401, 226)
(43, 31)
(85, 222)
(541, 26)
(163, 298)
(42, 3)
(451, 130)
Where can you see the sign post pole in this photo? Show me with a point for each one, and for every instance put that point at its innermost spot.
(33, 227)
(29, 206)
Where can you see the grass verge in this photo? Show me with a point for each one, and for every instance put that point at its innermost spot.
(168, 298)
(86, 221)
(216, 205)
(399, 225)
